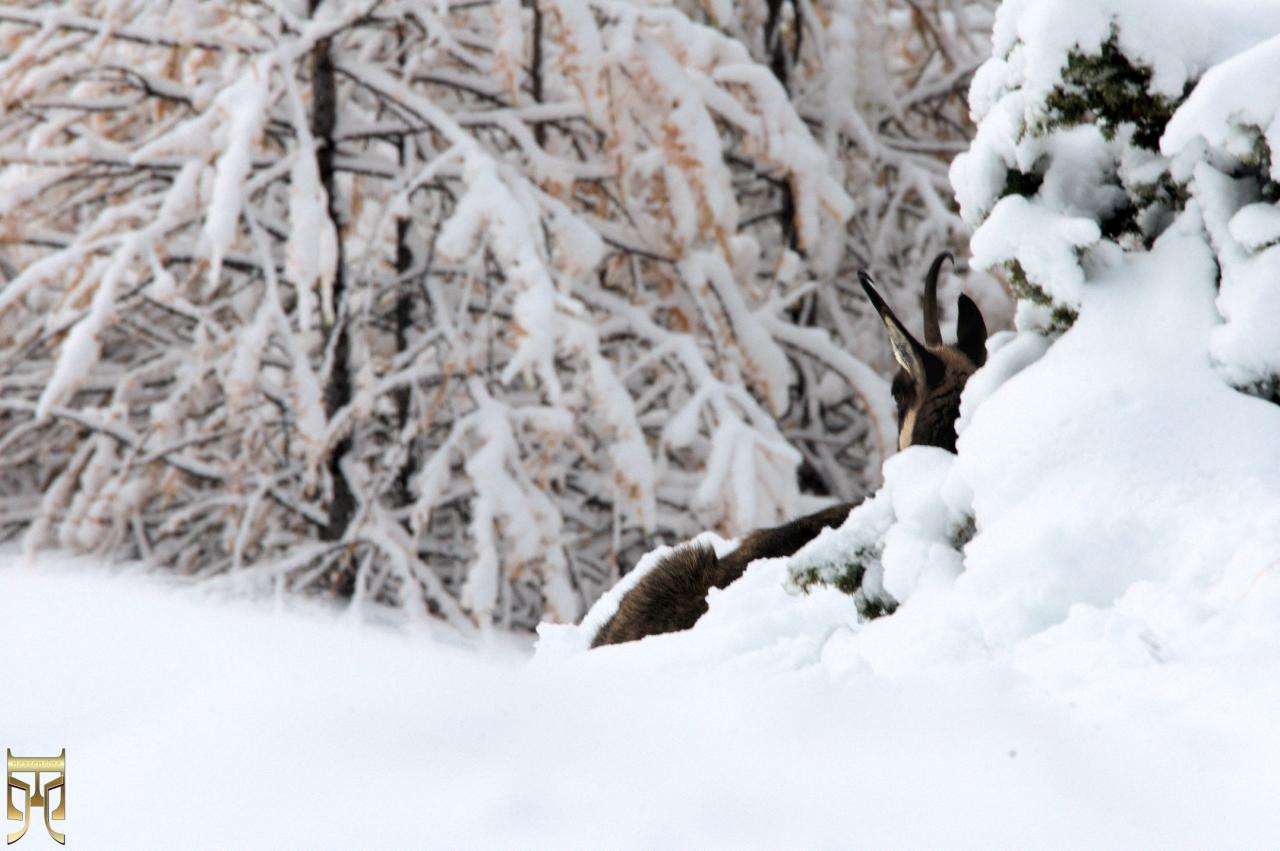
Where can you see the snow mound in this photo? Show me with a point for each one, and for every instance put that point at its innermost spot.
(373, 739)
(1121, 462)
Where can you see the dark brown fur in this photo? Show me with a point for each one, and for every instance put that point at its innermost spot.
(673, 596)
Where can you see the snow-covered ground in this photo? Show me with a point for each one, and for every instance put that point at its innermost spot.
(194, 722)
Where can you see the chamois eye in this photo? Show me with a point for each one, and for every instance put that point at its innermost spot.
(903, 391)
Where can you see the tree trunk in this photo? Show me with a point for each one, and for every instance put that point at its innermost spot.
(337, 391)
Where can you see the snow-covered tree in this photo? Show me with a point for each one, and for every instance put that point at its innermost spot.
(1102, 128)
(1097, 128)
(455, 306)
(884, 84)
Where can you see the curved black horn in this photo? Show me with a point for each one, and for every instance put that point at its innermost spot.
(933, 330)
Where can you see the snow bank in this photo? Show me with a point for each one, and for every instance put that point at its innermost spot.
(193, 722)
(1120, 462)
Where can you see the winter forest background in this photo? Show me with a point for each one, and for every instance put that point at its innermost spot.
(458, 306)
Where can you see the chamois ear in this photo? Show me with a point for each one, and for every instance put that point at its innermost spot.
(971, 331)
(924, 367)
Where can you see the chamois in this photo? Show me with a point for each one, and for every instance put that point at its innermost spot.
(927, 387)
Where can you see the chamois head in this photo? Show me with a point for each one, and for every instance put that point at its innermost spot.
(927, 387)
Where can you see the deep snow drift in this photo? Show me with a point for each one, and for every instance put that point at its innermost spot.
(193, 723)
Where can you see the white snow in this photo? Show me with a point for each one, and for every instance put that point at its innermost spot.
(1044, 242)
(1256, 225)
(1242, 92)
(1178, 39)
(1246, 347)
(311, 255)
(762, 357)
(241, 106)
(1231, 113)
